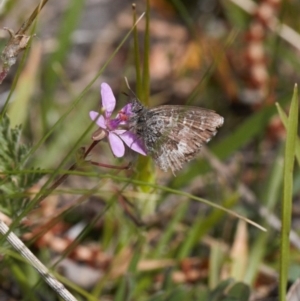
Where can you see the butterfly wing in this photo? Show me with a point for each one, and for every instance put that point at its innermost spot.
(175, 134)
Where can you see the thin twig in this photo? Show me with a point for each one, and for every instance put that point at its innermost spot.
(43, 271)
(32, 17)
(17, 43)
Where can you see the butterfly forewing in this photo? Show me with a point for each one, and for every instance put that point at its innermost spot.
(174, 135)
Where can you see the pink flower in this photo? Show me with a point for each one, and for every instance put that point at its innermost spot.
(116, 137)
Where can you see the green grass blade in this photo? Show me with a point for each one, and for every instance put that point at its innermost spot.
(202, 226)
(169, 231)
(215, 264)
(66, 30)
(139, 87)
(284, 120)
(289, 158)
(184, 14)
(144, 167)
(146, 69)
(270, 197)
(124, 291)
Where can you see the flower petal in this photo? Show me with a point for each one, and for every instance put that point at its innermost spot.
(113, 123)
(100, 120)
(116, 144)
(119, 132)
(133, 142)
(108, 99)
(127, 109)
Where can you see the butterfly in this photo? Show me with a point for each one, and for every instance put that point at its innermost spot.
(173, 134)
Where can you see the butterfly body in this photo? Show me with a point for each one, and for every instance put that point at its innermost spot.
(173, 135)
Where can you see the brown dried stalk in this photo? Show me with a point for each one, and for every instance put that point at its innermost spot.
(18, 42)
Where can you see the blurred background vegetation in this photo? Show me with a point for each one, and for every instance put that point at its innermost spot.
(237, 57)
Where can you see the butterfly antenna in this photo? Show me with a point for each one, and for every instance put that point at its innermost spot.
(127, 84)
